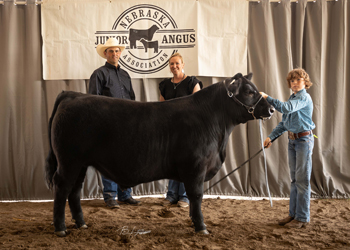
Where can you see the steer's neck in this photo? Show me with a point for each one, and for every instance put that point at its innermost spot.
(222, 109)
(217, 113)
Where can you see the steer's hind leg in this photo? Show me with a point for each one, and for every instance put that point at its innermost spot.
(195, 194)
(60, 197)
(64, 180)
(74, 201)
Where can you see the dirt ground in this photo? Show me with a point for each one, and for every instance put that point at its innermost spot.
(233, 224)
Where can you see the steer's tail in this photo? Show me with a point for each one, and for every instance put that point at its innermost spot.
(51, 160)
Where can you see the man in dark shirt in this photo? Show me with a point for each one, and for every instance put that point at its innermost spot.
(111, 80)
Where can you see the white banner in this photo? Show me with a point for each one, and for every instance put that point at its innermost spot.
(211, 35)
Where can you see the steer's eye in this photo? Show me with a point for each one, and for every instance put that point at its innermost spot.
(250, 93)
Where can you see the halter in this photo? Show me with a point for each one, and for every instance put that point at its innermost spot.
(250, 109)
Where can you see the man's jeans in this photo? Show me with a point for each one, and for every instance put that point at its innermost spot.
(111, 190)
(300, 166)
(176, 192)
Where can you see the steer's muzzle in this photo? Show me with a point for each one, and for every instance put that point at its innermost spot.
(271, 110)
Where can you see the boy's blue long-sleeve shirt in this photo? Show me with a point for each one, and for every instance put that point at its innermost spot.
(296, 114)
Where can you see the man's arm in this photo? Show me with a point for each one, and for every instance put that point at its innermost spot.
(131, 92)
(95, 84)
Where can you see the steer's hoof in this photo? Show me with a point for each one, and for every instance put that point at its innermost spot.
(61, 233)
(205, 231)
(83, 227)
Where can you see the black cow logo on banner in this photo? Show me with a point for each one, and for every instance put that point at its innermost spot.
(137, 35)
(150, 36)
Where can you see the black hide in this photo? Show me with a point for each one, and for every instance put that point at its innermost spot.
(132, 142)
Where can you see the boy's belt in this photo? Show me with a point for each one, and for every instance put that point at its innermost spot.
(293, 136)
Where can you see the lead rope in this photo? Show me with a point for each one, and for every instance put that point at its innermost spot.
(263, 149)
(239, 167)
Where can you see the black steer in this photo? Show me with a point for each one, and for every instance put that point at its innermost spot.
(132, 142)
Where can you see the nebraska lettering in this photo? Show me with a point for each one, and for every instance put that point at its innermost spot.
(141, 13)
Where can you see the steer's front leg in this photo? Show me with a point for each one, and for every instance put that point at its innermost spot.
(195, 195)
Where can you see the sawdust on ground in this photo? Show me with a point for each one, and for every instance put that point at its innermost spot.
(233, 224)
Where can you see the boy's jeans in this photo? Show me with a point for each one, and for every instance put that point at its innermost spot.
(300, 165)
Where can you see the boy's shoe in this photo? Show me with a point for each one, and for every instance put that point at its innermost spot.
(296, 224)
(285, 221)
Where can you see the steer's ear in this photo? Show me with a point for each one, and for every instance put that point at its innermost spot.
(234, 87)
(249, 76)
(237, 76)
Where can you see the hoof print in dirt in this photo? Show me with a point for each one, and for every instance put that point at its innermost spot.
(166, 213)
(125, 238)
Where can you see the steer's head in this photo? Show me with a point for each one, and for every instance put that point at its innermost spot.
(246, 95)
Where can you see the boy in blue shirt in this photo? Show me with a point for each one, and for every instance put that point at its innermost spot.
(297, 120)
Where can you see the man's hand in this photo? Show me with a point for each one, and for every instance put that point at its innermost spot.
(264, 95)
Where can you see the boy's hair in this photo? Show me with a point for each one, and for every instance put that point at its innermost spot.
(299, 73)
